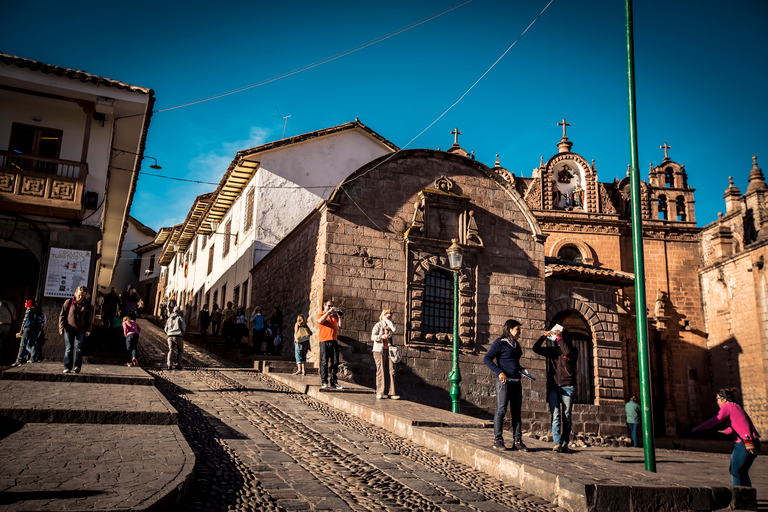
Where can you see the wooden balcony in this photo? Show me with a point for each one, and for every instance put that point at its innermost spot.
(42, 186)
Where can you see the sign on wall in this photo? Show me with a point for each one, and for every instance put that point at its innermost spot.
(67, 269)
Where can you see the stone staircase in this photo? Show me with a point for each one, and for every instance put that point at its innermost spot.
(281, 364)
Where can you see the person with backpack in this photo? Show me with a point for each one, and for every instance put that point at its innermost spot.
(301, 334)
(75, 323)
(382, 337)
(31, 329)
(174, 329)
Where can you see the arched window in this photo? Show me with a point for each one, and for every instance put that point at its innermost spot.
(438, 302)
(662, 207)
(680, 203)
(669, 177)
(570, 253)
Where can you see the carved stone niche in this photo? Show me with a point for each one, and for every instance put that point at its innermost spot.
(443, 213)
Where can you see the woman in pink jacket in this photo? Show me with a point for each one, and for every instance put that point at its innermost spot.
(746, 446)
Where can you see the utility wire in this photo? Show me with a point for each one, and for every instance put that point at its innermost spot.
(320, 62)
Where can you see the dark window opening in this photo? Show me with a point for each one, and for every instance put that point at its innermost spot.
(662, 208)
(438, 302)
(570, 253)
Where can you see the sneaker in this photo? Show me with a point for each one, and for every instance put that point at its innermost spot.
(169, 368)
(324, 386)
(394, 397)
(76, 370)
(16, 364)
(338, 386)
(178, 367)
(67, 370)
(519, 446)
(499, 445)
(378, 397)
(558, 448)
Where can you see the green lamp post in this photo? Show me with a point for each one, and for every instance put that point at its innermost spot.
(455, 255)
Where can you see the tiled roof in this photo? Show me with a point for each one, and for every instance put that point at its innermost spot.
(74, 74)
(556, 268)
(158, 241)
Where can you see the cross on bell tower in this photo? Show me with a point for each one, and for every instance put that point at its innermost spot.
(455, 134)
(665, 148)
(564, 146)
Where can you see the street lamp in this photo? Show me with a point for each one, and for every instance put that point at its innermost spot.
(455, 254)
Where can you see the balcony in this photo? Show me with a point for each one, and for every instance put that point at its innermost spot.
(42, 186)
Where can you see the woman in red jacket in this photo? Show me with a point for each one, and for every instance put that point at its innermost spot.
(746, 446)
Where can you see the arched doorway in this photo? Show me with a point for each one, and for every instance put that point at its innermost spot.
(582, 340)
(18, 284)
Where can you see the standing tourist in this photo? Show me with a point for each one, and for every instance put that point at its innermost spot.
(562, 357)
(381, 335)
(746, 445)
(216, 319)
(130, 304)
(174, 329)
(503, 358)
(632, 408)
(259, 324)
(241, 326)
(75, 323)
(131, 332)
(205, 319)
(109, 311)
(301, 334)
(276, 326)
(228, 327)
(329, 323)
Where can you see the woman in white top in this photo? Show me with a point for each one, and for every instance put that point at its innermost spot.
(385, 367)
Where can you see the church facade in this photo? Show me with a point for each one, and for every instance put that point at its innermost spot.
(552, 248)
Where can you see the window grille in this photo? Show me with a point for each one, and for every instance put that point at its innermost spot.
(438, 302)
(248, 220)
(227, 238)
(210, 259)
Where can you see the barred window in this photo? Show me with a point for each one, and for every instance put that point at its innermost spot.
(236, 296)
(248, 221)
(438, 302)
(203, 239)
(210, 259)
(227, 231)
(194, 250)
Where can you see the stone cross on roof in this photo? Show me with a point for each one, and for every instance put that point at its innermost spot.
(455, 134)
(563, 124)
(665, 148)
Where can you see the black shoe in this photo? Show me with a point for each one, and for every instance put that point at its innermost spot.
(178, 367)
(499, 445)
(564, 448)
(519, 446)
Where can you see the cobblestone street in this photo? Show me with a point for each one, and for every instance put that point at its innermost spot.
(262, 446)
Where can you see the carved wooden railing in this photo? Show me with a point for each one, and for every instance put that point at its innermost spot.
(36, 184)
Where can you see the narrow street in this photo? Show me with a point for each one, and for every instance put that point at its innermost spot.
(261, 446)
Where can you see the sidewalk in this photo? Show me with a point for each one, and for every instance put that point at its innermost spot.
(102, 440)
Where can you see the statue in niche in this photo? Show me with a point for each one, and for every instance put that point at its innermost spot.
(473, 234)
(567, 201)
(565, 175)
(578, 197)
(556, 195)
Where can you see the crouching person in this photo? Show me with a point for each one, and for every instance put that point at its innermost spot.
(174, 329)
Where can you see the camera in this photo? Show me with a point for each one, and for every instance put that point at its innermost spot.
(338, 311)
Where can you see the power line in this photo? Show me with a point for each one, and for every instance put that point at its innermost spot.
(319, 62)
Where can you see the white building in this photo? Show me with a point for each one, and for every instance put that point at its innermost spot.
(71, 146)
(262, 196)
(128, 271)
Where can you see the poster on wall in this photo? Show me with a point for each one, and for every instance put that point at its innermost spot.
(67, 269)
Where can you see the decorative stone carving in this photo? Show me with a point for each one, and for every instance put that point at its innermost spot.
(606, 201)
(533, 196)
(417, 223)
(444, 184)
(7, 182)
(473, 234)
(64, 190)
(32, 186)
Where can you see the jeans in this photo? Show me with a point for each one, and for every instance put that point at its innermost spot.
(741, 461)
(329, 361)
(634, 428)
(508, 393)
(178, 342)
(561, 395)
(73, 341)
(259, 335)
(132, 345)
(300, 352)
(27, 345)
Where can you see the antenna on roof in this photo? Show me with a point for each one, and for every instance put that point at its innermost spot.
(284, 118)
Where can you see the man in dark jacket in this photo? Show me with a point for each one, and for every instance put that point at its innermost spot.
(562, 357)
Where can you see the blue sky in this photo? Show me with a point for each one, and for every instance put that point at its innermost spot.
(700, 72)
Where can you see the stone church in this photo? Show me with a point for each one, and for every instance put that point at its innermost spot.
(552, 248)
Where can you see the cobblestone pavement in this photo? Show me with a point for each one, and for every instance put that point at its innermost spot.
(262, 446)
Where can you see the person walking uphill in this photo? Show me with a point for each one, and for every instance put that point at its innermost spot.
(174, 329)
(503, 358)
(381, 335)
(75, 323)
(131, 332)
(746, 446)
(562, 357)
(329, 322)
(632, 409)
